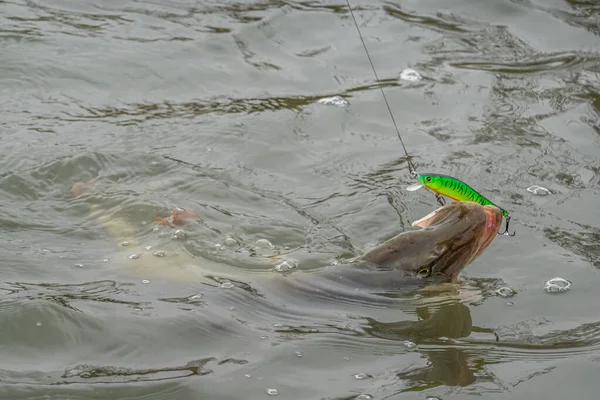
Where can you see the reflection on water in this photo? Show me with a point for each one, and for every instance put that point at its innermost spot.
(204, 118)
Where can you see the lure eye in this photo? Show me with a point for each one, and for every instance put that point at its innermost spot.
(424, 272)
(428, 179)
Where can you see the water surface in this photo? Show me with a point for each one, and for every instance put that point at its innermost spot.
(212, 106)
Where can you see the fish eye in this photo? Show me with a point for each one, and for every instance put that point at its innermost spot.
(424, 272)
(428, 179)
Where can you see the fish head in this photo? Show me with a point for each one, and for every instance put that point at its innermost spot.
(454, 235)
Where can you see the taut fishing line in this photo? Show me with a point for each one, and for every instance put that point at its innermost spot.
(440, 184)
(411, 166)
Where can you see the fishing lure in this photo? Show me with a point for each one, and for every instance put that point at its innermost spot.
(457, 190)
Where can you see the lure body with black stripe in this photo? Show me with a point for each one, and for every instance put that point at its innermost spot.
(454, 189)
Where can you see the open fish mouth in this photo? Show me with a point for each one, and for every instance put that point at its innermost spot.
(463, 230)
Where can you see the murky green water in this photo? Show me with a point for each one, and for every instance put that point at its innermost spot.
(212, 106)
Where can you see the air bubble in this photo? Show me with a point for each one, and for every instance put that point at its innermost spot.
(230, 242)
(556, 285)
(272, 392)
(538, 190)
(179, 234)
(264, 243)
(409, 345)
(505, 292)
(135, 256)
(218, 247)
(148, 247)
(226, 285)
(337, 101)
(79, 265)
(364, 397)
(361, 376)
(410, 75)
(125, 244)
(286, 266)
(145, 281)
(159, 253)
(299, 354)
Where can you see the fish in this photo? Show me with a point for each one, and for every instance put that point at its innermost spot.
(442, 244)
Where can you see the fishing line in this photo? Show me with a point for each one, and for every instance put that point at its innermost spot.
(411, 166)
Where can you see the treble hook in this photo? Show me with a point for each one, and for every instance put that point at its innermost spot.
(506, 229)
(440, 199)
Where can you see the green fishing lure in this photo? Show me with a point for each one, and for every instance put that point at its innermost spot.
(444, 185)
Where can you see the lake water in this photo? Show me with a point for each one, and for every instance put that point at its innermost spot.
(213, 106)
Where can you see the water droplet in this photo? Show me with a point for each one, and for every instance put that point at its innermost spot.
(247, 375)
(137, 309)
(299, 354)
(409, 345)
(272, 392)
(505, 292)
(230, 242)
(364, 397)
(125, 244)
(38, 323)
(410, 75)
(218, 247)
(337, 101)
(432, 398)
(179, 234)
(538, 190)
(135, 256)
(145, 281)
(105, 260)
(556, 285)
(286, 266)
(226, 285)
(361, 376)
(148, 247)
(79, 265)
(159, 253)
(264, 243)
